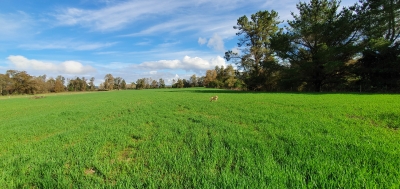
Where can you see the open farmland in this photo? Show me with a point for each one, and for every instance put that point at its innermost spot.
(175, 138)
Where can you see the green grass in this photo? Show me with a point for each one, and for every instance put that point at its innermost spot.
(178, 139)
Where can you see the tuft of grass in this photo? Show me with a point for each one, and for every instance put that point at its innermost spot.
(176, 138)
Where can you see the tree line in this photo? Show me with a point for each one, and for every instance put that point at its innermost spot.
(20, 82)
(322, 48)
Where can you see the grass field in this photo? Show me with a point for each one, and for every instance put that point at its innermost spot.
(176, 138)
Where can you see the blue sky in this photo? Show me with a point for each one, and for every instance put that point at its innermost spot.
(128, 38)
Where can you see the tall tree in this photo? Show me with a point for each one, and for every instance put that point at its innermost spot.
(133, 85)
(211, 75)
(141, 83)
(186, 83)
(21, 82)
(256, 56)
(193, 81)
(318, 43)
(229, 77)
(51, 84)
(2, 83)
(154, 84)
(161, 83)
(74, 84)
(379, 66)
(83, 84)
(91, 84)
(123, 84)
(117, 83)
(58, 85)
(61, 78)
(380, 19)
(200, 81)
(109, 82)
(180, 84)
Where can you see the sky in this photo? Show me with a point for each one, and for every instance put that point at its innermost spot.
(132, 39)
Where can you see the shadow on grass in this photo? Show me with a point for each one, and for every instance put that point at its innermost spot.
(390, 119)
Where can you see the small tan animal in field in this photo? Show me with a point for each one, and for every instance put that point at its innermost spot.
(215, 98)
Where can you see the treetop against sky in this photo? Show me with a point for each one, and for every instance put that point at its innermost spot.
(131, 39)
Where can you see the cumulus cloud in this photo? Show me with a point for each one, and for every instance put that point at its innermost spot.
(187, 63)
(216, 43)
(202, 41)
(67, 67)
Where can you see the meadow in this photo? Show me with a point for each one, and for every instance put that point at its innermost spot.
(177, 138)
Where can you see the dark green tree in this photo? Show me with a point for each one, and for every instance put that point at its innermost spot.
(123, 84)
(161, 83)
(256, 59)
(154, 84)
(379, 66)
(180, 84)
(117, 83)
(141, 83)
(318, 44)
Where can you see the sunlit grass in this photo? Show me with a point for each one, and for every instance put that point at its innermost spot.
(177, 138)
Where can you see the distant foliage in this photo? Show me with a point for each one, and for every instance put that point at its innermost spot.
(222, 77)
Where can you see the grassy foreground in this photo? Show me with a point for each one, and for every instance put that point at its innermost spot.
(178, 139)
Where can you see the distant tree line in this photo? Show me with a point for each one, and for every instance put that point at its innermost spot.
(148, 83)
(20, 82)
(222, 77)
(113, 83)
(193, 81)
(321, 49)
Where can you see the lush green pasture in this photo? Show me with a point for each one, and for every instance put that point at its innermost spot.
(178, 139)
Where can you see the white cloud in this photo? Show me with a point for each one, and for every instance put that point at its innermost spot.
(236, 50)
(187, 63)
(197, 24)
(16, 26)
(202, 41)
(117, 16)
(67, 67)
(216, 43)
(67, 45)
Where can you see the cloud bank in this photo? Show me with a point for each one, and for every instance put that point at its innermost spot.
(187, 63)
(66, 67)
